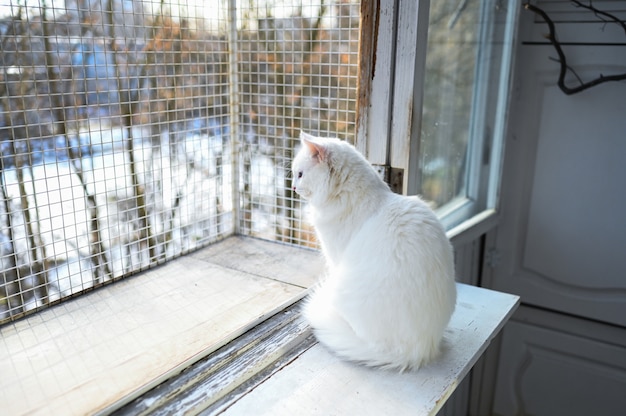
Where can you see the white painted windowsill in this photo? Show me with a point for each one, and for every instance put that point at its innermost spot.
(91, 353)
(103, 349)
(318, 383)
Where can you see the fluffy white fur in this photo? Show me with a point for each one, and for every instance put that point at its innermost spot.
(389, 290)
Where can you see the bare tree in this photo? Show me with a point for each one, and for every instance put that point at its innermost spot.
(128, 88)
(25, 116)
(98, 257)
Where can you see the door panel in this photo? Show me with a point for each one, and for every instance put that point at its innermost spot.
(562, 240)
(545, 371)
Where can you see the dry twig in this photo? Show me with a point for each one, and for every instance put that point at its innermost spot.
(551, 36)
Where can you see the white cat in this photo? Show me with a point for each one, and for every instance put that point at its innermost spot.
(389, 290)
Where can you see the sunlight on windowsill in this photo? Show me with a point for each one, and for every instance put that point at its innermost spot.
(86, 355)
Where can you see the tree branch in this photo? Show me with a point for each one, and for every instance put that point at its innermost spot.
(601, 13)
(562, 59)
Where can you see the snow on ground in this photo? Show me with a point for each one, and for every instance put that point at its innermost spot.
(188, 190)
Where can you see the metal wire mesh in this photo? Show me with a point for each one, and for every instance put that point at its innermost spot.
(116, 134)
(298, 70)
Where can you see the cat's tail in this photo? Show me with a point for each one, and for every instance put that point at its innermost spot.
(336, 333)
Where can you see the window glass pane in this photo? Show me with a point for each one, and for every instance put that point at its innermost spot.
(465, 94)
(448, 91)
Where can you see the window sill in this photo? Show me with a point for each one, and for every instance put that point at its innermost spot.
(278, 368)
(103, 349)
(317, 382)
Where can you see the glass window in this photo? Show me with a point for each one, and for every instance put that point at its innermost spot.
(465, 93)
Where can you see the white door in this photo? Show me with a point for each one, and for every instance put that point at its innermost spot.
(561, 243)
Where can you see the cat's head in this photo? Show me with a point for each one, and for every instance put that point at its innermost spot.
(323, 167)
(312, 167)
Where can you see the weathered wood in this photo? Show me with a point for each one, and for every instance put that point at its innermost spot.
(104, 349)
(261, 258)
(318, 383)
(84, 356)
(375, 81)
(232, 371)
(410, 62)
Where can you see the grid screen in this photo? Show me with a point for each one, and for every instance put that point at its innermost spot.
(134, 132)
(298, 70)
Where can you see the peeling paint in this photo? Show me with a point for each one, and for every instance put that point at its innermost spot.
(370, 19)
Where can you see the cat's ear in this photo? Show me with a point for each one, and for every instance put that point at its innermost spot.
(315, 145)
